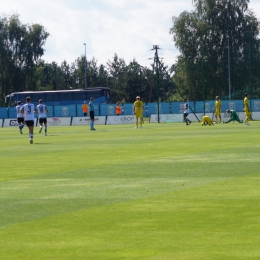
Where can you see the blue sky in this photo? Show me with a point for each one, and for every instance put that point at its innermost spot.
(127, 28)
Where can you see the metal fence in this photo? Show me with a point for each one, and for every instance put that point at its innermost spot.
(149, 108)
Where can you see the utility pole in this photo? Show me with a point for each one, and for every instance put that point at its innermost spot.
(203, 78)
(156, 61)
(86, 84)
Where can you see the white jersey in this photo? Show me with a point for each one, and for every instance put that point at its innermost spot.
(41, 108)
(186, 107)
(28, 111)
(18, 111)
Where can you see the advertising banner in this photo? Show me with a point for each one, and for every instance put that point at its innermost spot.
(13, 122)
(1, 122)
(99, 120)
(166, 118)
(173, 118)
(58, 121)
(116, 120)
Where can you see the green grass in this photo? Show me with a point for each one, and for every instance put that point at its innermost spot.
(167, 191)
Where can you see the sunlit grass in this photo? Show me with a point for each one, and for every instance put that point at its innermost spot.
(167, 191)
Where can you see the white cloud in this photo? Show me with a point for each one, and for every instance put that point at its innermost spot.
(128, 28)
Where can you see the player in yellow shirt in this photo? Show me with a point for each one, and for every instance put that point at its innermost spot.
(138, 110)
(247, 109)
(217, 108)
(206, 121)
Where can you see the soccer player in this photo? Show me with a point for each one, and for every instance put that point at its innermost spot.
(118, 109)
(186, 111)
(138, 110)
(27, 111)
(92, 113)
(85, 108)
(206, 120)
(247, 109)
(19, 116)
(217, 108)
(233, 116)
(42, 110)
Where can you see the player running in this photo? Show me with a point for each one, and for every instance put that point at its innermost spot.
(186, 111)
(27, 111)
(41, 110)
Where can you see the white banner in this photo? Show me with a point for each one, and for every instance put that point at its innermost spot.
(99, 120)
(116, 120)
(166, 118)
(224, 116)
(58, 121)
(13, 122)
(256, 115)
(1, 122)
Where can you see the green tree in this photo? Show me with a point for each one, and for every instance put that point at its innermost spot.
(20, 49)
(103, 77)
(202, 37)
(117, 78)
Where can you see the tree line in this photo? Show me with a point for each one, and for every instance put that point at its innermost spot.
(23, 68)
(219, 46)
(219, 50)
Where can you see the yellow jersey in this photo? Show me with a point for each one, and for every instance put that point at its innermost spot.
(138, 104)
(246, 104)
(218, 105)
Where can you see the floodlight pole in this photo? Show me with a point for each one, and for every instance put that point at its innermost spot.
(156, 60)
(229, 80)
(203, 80)
(86, 84)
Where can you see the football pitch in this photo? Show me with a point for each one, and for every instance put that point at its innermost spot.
(167, 191)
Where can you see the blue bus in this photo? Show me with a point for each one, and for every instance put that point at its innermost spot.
(61, 97)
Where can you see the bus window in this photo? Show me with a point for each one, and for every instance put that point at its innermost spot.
(51, 97)
(65, 96)
(22, 97)
(107, 96)
(102, 95)
(95, 94)
(10, 101)
(106, 93)
(13, 102)
(80, 96)
(37, 96)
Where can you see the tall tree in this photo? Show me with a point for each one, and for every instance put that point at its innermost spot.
(207, 38)
(21, 47)
(117, 77)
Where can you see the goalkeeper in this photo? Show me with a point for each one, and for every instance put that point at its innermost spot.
(233, 116)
